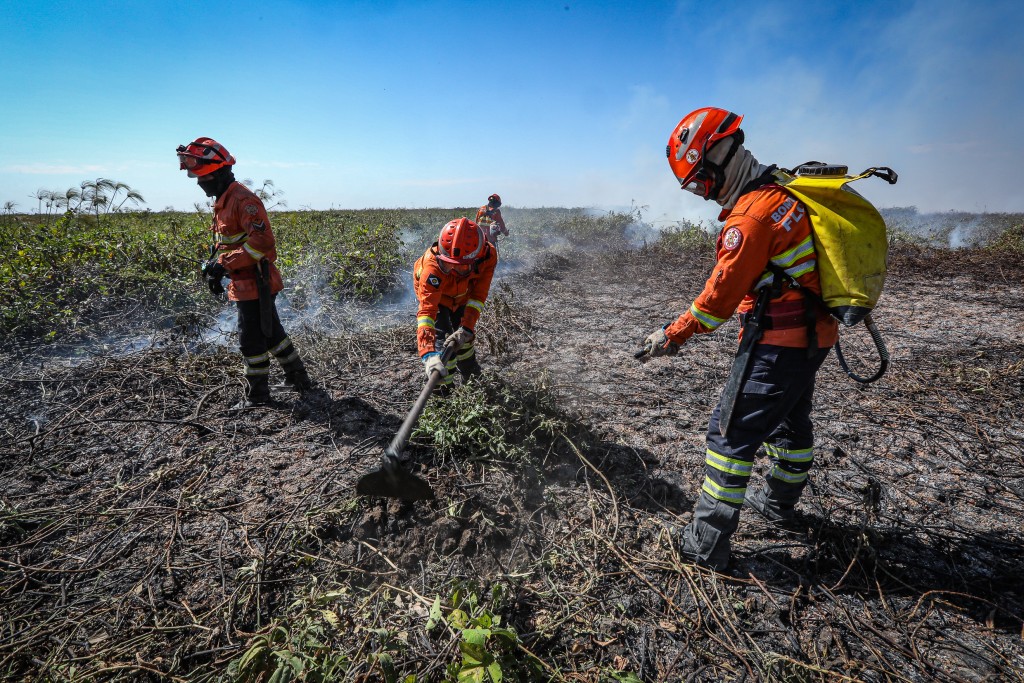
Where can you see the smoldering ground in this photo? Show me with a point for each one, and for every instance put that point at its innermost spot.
(147, 532)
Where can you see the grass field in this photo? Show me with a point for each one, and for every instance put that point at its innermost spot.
(59, 275)
(150, 533)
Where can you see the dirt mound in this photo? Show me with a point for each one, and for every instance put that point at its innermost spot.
(148, 532)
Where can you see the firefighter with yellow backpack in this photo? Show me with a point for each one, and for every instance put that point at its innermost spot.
(799, 252)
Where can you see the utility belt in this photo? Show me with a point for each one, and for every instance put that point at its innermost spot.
(781, 315)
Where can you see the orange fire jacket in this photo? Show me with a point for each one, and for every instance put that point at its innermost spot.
(243, 237)
(487, 218)
(435, 288)
(767, 224)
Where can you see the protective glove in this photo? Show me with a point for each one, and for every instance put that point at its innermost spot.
(432, 363)
(214, 268)
(658, 344)
(461, 336)
(214, 272)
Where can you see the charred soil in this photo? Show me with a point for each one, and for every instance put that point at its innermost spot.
(147, 532)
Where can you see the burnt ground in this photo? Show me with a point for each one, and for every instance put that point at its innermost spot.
(149, 533)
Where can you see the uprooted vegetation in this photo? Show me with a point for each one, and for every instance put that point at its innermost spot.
(149, 533)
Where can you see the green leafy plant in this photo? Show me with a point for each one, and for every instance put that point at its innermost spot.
(685, 236)
(296, 650)
(489, 652)
(304, 643)
(489, 419)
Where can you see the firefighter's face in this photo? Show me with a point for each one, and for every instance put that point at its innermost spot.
(458, 269)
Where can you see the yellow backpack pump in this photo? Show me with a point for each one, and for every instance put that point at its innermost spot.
(850, 242)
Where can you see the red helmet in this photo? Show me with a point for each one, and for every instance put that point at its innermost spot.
(460, 242)
(688, 147)
(203, 156)
(494, 199)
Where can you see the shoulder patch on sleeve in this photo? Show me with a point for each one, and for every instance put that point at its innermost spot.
(251, 209)
(732, 238)
(434, 280)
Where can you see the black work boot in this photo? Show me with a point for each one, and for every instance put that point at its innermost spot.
(775, 502)
(705, 540)
(257, 392)
(296, 377)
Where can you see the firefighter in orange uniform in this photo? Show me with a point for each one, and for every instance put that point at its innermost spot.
(244, 251)
(766, 242)
(451, 281)
(488, 217)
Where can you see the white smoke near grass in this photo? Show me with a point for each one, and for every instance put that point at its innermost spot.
(951, 229)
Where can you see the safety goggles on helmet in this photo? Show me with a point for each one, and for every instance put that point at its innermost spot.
(462, 270)
(203, 156)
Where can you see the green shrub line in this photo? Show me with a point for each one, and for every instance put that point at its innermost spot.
(60, 273)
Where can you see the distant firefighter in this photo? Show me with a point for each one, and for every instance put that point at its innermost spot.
(452, 280)
(488, 217)
(243, 250)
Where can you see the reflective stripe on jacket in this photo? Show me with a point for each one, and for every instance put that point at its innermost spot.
(487, 218)
(435, 288)
(767, 224)
(242, 232)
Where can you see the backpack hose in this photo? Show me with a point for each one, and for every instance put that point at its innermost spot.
(883, 353)
(851, 246)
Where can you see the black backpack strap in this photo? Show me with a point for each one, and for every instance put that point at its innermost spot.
(766, 178)
(883, 172)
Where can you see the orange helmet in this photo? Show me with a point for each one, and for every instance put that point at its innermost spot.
(688, 147)
(460, 242)
(203, 156)
(494, 199)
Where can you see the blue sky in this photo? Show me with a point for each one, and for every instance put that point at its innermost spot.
(412, 104)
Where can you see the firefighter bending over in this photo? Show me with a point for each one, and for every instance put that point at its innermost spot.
(488, 217)
(451, 281)
(244, 251)
(765, 243)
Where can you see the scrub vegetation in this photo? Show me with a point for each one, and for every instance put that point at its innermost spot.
(63, 273)
(149, 533)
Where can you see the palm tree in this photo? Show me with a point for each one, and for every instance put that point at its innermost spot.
(8, 210)
(48, 196)
(268, 194)
(71, 194)
(40, 195)
(94, 192)
(130, 196)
